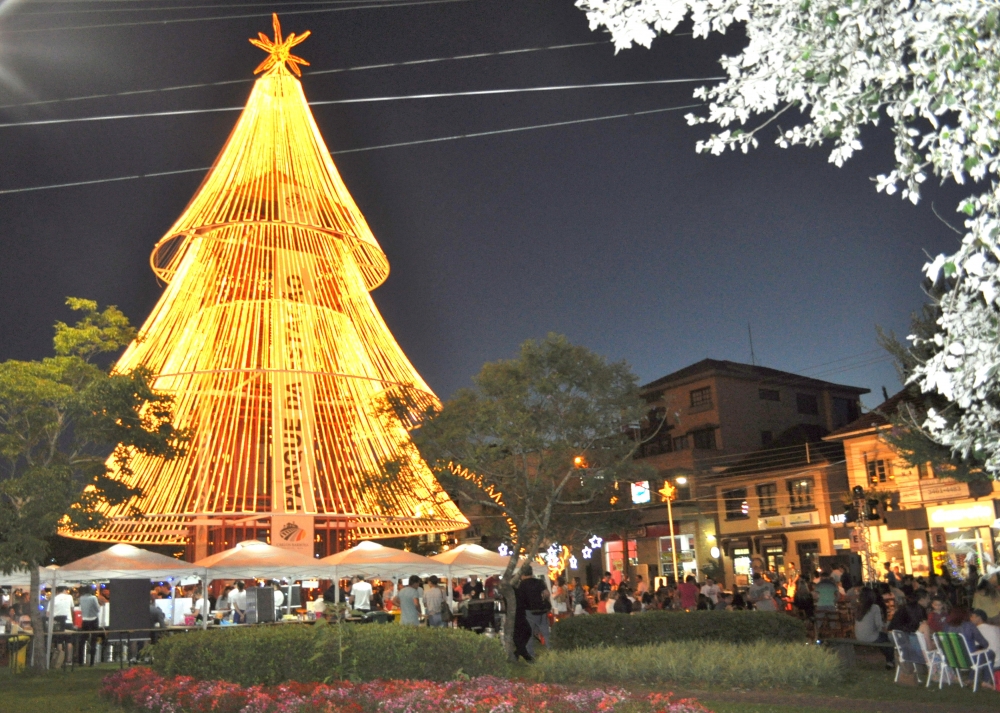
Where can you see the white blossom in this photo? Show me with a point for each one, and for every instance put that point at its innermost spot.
(932, 67)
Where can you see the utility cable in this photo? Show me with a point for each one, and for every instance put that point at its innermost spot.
(362, 100)
(24, 13)
(358, 68)
(211, 18)
(455, 137)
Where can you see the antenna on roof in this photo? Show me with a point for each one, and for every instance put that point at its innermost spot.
(753, 359)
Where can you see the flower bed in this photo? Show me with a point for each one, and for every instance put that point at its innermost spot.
(144, 690)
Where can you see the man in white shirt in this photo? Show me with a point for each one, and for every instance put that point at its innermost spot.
(711, 590)
(990, 632)
(238, 603)
(62, 607)
(361, 595)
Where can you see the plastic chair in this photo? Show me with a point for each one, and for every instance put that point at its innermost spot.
(960, 657)
(935, 661)
(907, 652)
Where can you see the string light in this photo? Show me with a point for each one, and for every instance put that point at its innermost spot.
(275, 354)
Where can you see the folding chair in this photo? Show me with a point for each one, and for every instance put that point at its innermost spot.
(960, 657)
(934, 660)
(907, 652)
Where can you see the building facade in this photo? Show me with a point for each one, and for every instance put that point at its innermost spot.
(922, 504)
(703, 419)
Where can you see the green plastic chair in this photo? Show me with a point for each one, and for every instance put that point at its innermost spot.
(959, 657)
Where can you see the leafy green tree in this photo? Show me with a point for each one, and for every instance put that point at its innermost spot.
(60, 419)
(544, 442)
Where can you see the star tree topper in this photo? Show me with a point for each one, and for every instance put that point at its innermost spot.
(279, 51)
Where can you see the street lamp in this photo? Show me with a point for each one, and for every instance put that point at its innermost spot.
(668, 492)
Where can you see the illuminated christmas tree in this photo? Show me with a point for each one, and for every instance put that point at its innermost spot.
(276, 356)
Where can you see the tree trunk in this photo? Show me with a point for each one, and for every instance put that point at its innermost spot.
(510, 600)
(38, 630)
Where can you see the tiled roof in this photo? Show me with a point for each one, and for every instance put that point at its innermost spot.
(745, 371)
(879, 416)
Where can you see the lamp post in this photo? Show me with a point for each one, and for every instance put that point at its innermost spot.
(668, 492)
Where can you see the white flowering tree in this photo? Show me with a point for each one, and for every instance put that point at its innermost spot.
(827, 68)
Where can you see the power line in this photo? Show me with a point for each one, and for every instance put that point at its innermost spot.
(357, 68)
(211, 18)
(22, 13)
(455, 137)
(362, 100)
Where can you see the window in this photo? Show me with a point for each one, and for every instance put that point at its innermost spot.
(800, 493)
(704, 439)
(681, 443)
(701, 397)
(766, 437)
(924, 471)
(878, 471)
(769, 395)
(767, 498)
(737, 507)
(844, 411)
(807, 404)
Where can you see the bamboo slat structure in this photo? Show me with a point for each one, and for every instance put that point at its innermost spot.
(268, 340)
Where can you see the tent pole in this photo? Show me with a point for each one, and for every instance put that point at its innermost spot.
(204, 600)
(48, 637)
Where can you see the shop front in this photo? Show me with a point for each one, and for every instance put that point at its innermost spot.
(968, 534)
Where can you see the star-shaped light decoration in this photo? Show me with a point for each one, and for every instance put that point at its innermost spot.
(572, 562)
(278, 50)
(504, 550)
(586, 552)
(595, 541)
(552, 559)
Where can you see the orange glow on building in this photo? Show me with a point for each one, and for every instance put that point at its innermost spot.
(273, 349)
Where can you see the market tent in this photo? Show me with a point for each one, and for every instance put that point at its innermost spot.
(123, 561)
(22, 577)
(466, 560)
(370, 559)
(252, 558)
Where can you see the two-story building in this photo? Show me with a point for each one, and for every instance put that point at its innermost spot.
(702, 419)
(777, 507)
(965, 512)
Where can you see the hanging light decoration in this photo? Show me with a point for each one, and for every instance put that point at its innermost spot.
(595, 542)
(586, 552)
(504, 550)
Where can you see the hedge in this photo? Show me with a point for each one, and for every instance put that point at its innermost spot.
(735, 627)
(359, 652)
(764, 664)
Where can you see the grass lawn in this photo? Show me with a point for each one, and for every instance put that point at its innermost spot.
(867, 689)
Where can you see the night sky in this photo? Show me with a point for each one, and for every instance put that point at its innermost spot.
(616, 233)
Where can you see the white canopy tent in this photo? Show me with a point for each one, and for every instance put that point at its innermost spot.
(123, 561)
(466, 560)
(253, 558)
(370, 559)
(22, 577)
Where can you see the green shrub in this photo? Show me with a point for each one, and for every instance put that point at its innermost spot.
(758, 665)
(272, 654)
(736, 627)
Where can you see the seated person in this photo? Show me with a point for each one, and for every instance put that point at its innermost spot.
(958, 622)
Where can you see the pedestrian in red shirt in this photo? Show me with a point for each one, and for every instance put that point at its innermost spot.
(688, 592)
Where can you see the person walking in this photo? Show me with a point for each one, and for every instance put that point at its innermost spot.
(536, 609)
